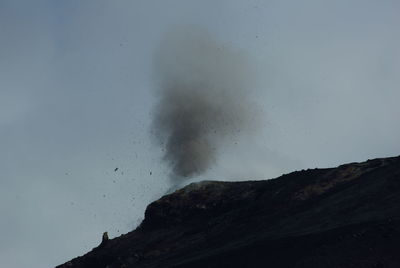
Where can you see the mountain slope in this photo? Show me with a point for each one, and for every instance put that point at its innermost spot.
(347, 216)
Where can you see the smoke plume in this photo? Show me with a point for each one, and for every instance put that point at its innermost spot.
(204, 90)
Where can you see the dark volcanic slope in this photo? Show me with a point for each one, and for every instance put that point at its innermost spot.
(339, 217)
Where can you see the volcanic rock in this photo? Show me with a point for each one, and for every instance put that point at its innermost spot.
(347, 216)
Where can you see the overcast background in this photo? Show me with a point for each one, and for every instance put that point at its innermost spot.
(77, 97)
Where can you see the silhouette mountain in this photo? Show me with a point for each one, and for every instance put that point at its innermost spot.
(347, 216)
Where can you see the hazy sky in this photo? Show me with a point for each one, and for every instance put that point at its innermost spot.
(77, 94)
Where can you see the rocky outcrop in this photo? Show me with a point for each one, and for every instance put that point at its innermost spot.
(347, 216)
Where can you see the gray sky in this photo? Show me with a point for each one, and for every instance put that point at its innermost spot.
(77, 93)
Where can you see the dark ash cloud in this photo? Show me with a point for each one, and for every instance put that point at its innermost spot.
(203, 92)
